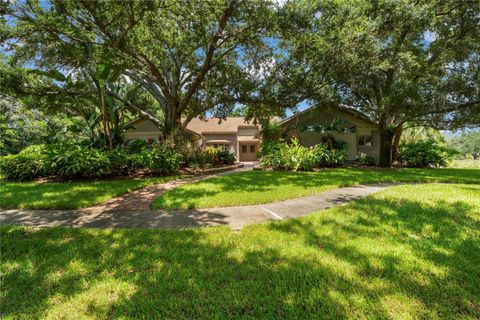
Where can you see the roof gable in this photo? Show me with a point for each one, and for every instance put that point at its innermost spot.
(349, 115)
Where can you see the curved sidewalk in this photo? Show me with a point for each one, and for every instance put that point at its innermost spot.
(235, 217)
(141, 199)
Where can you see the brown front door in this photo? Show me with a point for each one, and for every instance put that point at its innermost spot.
(248, 151)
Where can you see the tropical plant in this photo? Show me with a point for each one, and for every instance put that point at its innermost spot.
(225, 156)
(75, 161)
(271, 131)
(293, 156)
(27, 165)
(159, 159)
(426, 153)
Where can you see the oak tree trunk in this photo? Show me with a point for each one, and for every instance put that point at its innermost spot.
(386, 146)
(396, 143)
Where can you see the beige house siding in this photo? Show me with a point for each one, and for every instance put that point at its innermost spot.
(143, 129)
(232, 131)
(361, 127)
(248, 131)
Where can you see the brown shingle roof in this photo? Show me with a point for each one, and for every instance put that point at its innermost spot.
(215, 125)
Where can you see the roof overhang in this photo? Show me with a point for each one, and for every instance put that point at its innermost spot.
(219, 132)
(218, 141)
(350, 110)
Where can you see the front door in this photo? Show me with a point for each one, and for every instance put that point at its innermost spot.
(248, 151)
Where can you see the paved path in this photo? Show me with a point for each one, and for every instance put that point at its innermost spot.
(141, 199)
(235, 217)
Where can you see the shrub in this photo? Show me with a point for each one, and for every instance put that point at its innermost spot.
(22, 167)
(210, 156)
(74, 161)
(425, 153)
(135, 146)
(26, 165)
(201, 157)
(159, 159)
(293, 156)
(225, 156)
(288, 157)
(120, 161)
(362, 158)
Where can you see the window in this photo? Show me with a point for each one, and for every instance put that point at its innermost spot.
(244, 148)
(252, 148)
(365, 141)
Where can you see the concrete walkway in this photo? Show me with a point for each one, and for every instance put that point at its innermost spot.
(141, 199)
(235, 217)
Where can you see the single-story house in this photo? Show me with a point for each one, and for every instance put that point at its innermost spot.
(244, 138)
(360, 134)
(234, 133)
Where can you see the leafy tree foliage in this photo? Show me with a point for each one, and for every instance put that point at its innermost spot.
(191, 56)
(21, 126)
(396, 62)
(467, 144)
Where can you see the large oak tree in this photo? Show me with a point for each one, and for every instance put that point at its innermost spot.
(400, 63)
(191, 56)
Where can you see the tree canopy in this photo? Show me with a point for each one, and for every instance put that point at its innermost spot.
(467, 144)
(400, 63)
(191, 56)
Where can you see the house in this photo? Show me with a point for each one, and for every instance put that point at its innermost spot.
(360, 134)
(244, 138)
(234, 133)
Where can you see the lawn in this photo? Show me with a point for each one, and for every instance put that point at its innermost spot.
(465, 164)
(407, 252)
(31, 195)
(257, 187)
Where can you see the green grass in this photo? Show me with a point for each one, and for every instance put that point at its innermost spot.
(31, 195)
(256, 187)
(465, 164)
(409, 252)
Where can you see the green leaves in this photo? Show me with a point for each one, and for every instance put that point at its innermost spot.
(53, 74)
(295, 157)
(426, 153)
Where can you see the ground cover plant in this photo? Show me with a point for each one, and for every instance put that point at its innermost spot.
(68, 195)
(256, 187)
(74, 161)
(408, 252)
(292, 156)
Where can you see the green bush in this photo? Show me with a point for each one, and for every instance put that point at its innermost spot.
(425, 153)
(159, 159)
(209, 156)
(362, 158)
(293, 156)
(326, 157)
(120, 161)
(225, 156)
(135, 146)
(26, 165)
(22, 167)
(74, 161)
